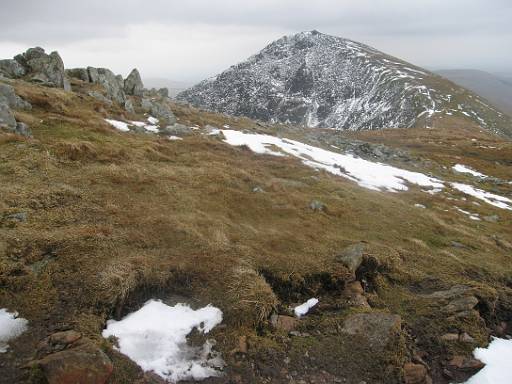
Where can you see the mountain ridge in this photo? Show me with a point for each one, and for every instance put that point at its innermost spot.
(317, 80)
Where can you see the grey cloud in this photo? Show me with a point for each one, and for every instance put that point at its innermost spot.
(395, 24)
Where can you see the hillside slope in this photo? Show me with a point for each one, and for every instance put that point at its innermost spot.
(495, 89)
(101, 211)
(316, 80)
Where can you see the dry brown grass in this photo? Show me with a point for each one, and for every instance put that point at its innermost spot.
(113, 214)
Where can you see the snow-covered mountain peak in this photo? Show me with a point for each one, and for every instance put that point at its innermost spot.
(317, 80)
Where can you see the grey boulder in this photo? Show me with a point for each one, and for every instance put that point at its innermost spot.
(78, 73)
(44, 68)
(13, 101)
(133, 84)
(159, 109)
(176, 129)
(7, 119)
(114, 85)
(12, 69)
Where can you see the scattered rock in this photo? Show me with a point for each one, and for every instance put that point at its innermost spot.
(491, 218)
(19, 217)
(99, 96)
(114, 86)
(465, 338)
(415, 374)
(176, 130)
(458, 301)
(84, 364)
(133, 84)
(352, 256)
(78, 73)
(469, 364)
(160, 109)
(8, 96)
(7, 119)
(12, 69)
(450, 337)
(284, 323)
(257, 189)
(353, 292)
(378, 328)
(317, 206)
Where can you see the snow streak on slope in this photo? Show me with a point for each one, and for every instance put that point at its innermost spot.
(317, 80)
(375, 176)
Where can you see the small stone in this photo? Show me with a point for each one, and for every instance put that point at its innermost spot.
(465, 338)
(20, 217)
(65, 337)
(415, 373)
(491, 218)
(462, 363)
(352, 256)
(284, 323)
(450, 337)
(317, 206)
(257, 190)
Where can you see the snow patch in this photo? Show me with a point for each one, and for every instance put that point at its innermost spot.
(120, 125)
(490, 198)
(155, 337)
(11, 326)
(303, 309)
(463, 169)
(374, 176)
(497, 363)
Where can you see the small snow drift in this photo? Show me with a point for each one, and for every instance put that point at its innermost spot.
(490, 198)
(463, 169)
(497, 363)
(367, 174)
(11, 326)
(150, 125)
(303, 309)
(155, 337)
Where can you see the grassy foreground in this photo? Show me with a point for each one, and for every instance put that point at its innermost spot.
(114, 219)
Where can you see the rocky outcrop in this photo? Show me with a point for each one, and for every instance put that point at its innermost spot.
(8, 94)
(8, 100)
(43, 68)
(158, 108)
(133, 84)
(114, 86)
(12, 69)
(78, 73)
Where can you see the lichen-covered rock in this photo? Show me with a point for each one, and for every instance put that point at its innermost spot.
(43, 68)
(78, 73)
(160, 109)
(12, 69)
(7, 120)
(352, 256)
(8, 94)
(133, 84)
(113, 85)
(176, 130)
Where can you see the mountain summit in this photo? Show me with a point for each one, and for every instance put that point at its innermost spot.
(317, 80)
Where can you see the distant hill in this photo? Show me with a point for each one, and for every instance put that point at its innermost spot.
(320, 81)
(496, 89)
(173, 86)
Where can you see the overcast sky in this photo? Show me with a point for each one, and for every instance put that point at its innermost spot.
(190, 40)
